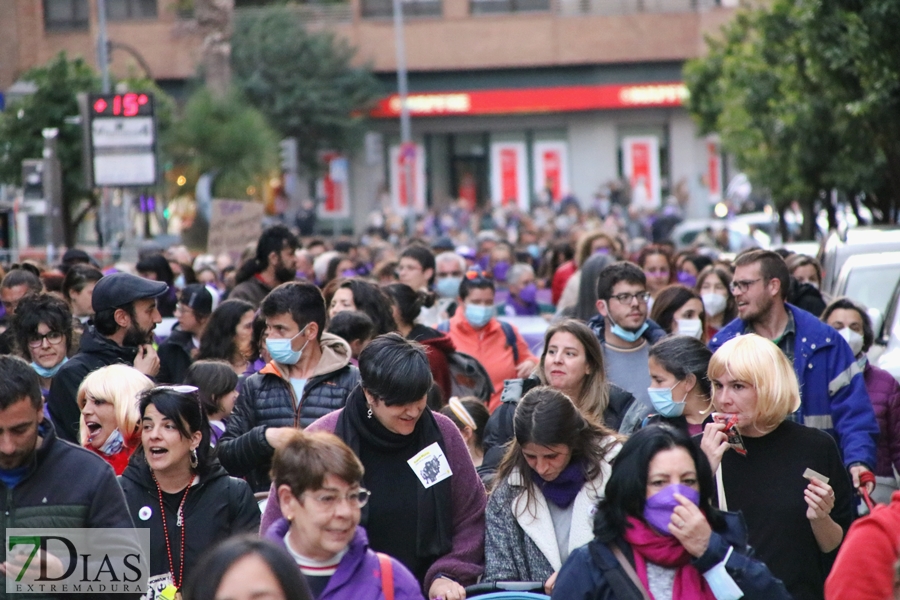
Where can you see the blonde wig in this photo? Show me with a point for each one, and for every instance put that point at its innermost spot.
(119, 385)
(757, 361)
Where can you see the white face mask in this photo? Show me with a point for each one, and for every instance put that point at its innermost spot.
(690, 327)
(713, 303)
(854, 339)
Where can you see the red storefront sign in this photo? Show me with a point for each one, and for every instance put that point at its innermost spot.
(713, 169)
(535, 100)
(509, 175)
(334, 187)
(641, 156)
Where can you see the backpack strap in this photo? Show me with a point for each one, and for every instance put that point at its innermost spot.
(387, 575)
(511, 340)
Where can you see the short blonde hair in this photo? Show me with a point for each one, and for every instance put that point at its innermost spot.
(119, 385)
(755, 360)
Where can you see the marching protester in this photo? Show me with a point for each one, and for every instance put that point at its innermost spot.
(110, 420)
(657, 532)
(176, 488)
(44, 335)
(195, 305)
(430, 516)
(309, 376)
(125, 316)
(228, 336)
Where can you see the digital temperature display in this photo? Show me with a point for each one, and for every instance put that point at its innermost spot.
(131, 104)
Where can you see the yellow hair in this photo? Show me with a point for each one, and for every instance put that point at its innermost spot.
(120, 385)
(757, 361)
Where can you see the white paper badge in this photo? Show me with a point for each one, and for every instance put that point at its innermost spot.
(155, 585)
(145, 513)
(430, 465)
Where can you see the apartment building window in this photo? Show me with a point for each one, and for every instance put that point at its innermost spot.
(486, 7)
(127, 10)
(66, 15)
(411, 8)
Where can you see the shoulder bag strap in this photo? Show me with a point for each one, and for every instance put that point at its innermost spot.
(629, 570)
(387, 575)
(720, 489)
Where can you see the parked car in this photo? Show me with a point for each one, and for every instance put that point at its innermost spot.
(870, 279)
(742, 234)
(859, 240)
(889, 343)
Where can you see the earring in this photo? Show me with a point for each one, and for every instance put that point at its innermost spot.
(194, 460)
(369, 412)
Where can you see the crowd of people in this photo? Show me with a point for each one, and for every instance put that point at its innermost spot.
(342, 419)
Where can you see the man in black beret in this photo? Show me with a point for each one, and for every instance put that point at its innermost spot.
(125, 316)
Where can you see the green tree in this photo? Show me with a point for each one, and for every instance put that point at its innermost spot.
(768, 88)
(21, 124)
(303, 82)
(225, 136)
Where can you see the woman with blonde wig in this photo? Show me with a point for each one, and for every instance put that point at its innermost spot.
(788, 480)
(108, 399)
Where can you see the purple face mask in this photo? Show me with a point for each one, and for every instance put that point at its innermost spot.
(349, 273)
(687, 279)
(500, 270)
(659, 507)
(603, 250)
(528, 293)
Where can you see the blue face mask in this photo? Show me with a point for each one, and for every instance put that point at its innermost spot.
(663, 402)
(51, 372)
(448, 287)
(479, 316)
(534, 251)
(628, 336)
(113, 444)
(281, 352)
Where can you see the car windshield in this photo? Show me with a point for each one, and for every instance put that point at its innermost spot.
(873, 286)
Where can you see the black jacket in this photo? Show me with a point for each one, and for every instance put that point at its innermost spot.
(175, 356)
(49, 496)
(217, 507)
(499, 428)
(593, 573)
(94, 352)
(267, 400)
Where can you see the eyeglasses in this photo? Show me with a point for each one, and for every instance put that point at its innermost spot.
(742, 286)
(330, 500)
(449, 274)
(641, 297)
(53, 337)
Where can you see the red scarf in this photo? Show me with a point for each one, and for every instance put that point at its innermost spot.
(118, 460)
(665, 551)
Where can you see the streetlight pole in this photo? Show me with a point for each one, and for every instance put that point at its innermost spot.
(406, 146)
(103, 45)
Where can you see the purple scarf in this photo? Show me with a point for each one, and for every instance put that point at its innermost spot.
(562, 490)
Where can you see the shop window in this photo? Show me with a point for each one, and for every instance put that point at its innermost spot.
(127, 10)
(411, 8)
(65, 15)
(482, 7)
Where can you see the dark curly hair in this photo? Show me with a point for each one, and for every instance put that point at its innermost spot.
(35, 309)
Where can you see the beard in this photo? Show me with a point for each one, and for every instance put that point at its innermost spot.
(135, 336)
(282, 273)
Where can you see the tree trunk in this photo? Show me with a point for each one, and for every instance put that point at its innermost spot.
(215, 19)
(808, 231)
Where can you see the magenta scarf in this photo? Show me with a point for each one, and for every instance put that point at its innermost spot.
(665, 551)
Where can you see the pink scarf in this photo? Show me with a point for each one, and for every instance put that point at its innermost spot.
(665, 551)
